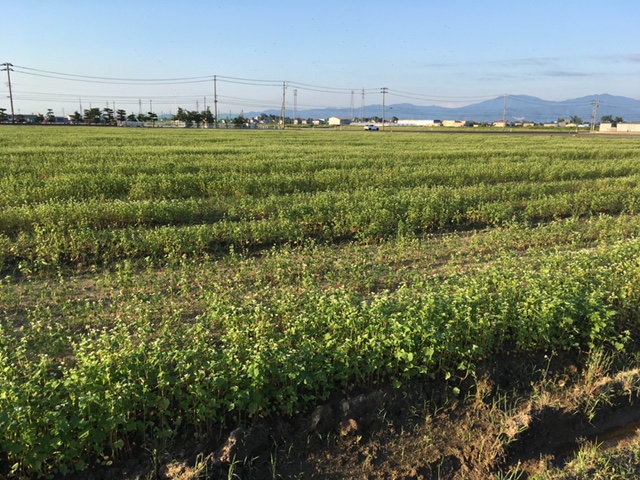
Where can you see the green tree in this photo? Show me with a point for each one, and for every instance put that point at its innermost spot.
(39, 118)
(92, 116)
(575, 119)
(76, 117)
(121, 115)
(107, 115)
(240, 120)
(182, 115)
(3, 115)
(153, 117)
(207, 116)
(132, 118)
(194, 117)
(611, 119)
(50, 117)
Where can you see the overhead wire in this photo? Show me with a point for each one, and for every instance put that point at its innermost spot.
(269, 83)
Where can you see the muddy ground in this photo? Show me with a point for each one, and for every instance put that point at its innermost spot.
(510, 418)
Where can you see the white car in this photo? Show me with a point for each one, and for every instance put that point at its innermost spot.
(373, 128)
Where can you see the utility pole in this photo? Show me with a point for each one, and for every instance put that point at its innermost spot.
(504, 110)
(283, 112)
(215, 101)
(362, 107)
(7, 67)
(384, 91)
(352, 92)
(295, 103)
(594, 114)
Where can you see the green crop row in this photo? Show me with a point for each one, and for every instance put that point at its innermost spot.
(577, 197)
(105, 233)
(221, 164)
(67, 401)
(419, 255)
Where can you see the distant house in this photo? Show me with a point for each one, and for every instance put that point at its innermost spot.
(620, 127)
(131, 123)
(628, 127)
(419, 123)
(339, 121)
(454, 123)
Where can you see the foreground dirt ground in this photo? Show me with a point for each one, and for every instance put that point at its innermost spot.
(511, 418)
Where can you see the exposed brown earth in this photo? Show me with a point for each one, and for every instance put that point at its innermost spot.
(514, 418)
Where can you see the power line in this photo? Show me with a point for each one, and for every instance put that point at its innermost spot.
(114, 79)
(267, 101)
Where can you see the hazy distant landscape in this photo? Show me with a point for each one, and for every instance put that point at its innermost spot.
(519, 107)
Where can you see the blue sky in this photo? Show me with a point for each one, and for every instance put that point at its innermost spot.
(424, 52)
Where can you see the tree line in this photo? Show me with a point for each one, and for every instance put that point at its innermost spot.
(107, 116)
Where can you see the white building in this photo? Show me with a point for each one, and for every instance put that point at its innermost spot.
(620, 127)
(339, 121)
(419, 123)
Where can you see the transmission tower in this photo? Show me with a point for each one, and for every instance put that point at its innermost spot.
(362, 107)
(295, 103)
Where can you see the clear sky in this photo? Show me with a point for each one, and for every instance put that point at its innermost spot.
(425, 52)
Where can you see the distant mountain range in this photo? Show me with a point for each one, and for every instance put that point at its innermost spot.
(519, 107)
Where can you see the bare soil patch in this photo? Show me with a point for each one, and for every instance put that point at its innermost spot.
(514, 418)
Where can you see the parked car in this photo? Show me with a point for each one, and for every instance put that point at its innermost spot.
(373, 128)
